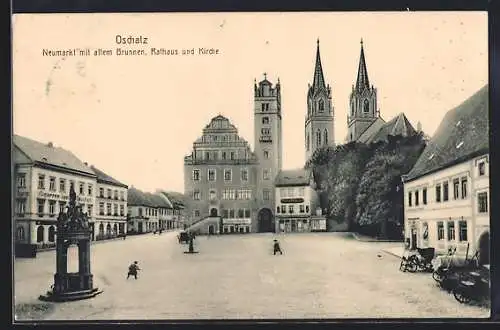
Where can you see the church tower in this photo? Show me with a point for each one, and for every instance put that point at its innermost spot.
(319, 118)
(362, 102)
(268, 137)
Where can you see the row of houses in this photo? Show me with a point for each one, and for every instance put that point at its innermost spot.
(42, 177)
(447, 193)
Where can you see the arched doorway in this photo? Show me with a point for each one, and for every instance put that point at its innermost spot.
(52, 232)
(265, 221)
(211, 229)
(108, 230)
(20, 234)
(115, 229)
(101, 229)
(213, 212)
(484, 248)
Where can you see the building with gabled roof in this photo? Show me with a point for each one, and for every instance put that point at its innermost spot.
(43, 174)
(297, 203)
(111, 200)
(148, 212)
(447, 191)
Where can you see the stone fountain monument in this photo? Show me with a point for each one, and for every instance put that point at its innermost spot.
(72, 228)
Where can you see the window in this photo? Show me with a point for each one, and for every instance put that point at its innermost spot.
(416, 198)
(20, 234)
(307, 142)
(277, 209)
(224, 155)
(81, 188)
(302, 191)
(140, 211)
(21, 181)
(41, 207)
(307, 208)
(265, 120)
(456, 188)
(482, 202)
(52, 183)
(41, 181)
(241, 213)
(122, 195)
(462, 227)
(265, 106)
(101, 192)
(90, 210)
(108, 208)
(265, 195)
(325, 137)
(52, 232)
(52, 207)
(232, 155)
(211, 175)
(196, 213)
(207, 155)
(72, 185)
(482, 168)
(451, 230)
(445, 191)
(321, 106)
(318, 138)
(21, 206)
(109, 194)
(231, 213)
(196, 195)
(438, 193)
(464, 187)
(409, 199)
(227, 175)
(213, 195)
(90, 189)
(283, 209)
(116, 194)
(265, 175)
(39, 234)
(265, 131)
(61, 207)
(424, 196)
(266, 154)
(290, 209)
(244, 174)
(115, 209)
(440, 228)
(425, 234)
(301, 208)
(247, 213)
(196, 175)
(62, 185)
(366, 107)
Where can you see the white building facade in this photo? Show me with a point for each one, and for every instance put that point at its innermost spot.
(447, 195)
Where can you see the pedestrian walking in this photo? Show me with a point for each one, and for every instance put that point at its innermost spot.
(133, 269)
(276, 247)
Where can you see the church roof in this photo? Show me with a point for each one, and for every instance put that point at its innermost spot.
(362, 81)
(462, 135)
(293, 177)
(103, 177)
(50, 154)
(371, 130)
(398, 126)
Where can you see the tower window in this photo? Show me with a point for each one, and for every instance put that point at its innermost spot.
(318, 138)
(307, 141)
(325, 137)
(265, 120)
(352, 109)
(366, 107)
(265, 106)
(321, 106)
(266, 154)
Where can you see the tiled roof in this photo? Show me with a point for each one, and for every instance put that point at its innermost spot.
(294, 177)
(101, 176)
(462, 134)
(399, 125)
(50, 154)
(371, 130)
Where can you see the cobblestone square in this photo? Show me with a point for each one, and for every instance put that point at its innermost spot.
(323, 275)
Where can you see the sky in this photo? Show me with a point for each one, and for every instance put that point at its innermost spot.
(136, 117)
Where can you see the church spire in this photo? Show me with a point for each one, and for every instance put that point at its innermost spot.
(319, 80)
(362, 81)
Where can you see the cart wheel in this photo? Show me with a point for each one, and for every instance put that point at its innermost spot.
(436, 276)
(460, 297)
(411, 266)
(402, 265)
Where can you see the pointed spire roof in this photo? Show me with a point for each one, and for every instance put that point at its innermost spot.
(319, 80)
(362, 82)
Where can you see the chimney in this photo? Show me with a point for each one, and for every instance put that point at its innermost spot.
(50, 145)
